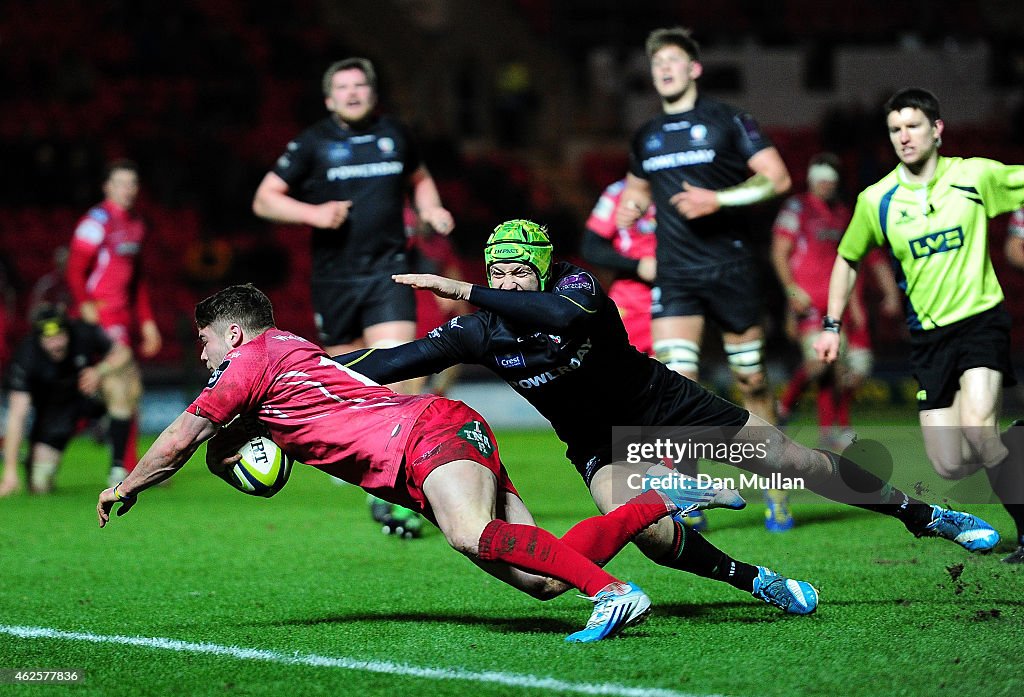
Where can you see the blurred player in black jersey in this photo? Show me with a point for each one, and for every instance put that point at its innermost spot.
(550, 331)
(56, 371)
(348, 177)
(701, 162)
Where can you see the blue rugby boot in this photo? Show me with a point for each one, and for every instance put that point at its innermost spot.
(970, 532)
(792, 596)
(616, 606)
(688, 493)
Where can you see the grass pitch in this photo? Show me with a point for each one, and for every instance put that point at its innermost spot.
(202, 590)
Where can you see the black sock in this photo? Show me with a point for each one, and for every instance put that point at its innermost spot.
(691, 552)
(118, 431)
(1007, 480)
(852, 484)
(1009, 476)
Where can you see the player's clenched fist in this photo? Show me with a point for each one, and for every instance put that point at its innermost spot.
(827, 346)
(330, 214)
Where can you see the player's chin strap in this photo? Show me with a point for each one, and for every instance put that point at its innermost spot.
(754, 190)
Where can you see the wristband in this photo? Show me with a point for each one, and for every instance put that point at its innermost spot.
(119, 496)
(831, 324)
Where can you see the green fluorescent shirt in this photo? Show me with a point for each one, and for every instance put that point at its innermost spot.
(937, 234)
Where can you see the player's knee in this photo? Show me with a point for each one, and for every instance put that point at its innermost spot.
(952, 465)
(465, 541)
(746, 362)
(680, 355)
(952, 470)
(655, 541)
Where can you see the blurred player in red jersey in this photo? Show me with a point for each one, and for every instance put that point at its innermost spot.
(806, 235)
(427, 453)
(106, 282)
(629, 252)
(1015, 239)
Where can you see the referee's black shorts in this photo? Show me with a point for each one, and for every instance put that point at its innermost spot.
(940, 356)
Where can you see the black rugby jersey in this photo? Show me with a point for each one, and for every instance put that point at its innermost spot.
(579, 370)
(708, 147)
(33, 371)
(369, 166)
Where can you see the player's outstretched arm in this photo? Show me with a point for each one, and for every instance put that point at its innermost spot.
(167, 455)
(438, 285)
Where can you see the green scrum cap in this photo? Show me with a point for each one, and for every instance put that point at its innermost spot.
(524, 241)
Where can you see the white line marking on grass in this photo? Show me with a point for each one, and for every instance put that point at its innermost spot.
(384, 667)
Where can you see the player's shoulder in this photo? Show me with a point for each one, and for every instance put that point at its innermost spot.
(385, 122)
(566, 278)
(709, 106)
(652, 126)
(615, 189)
(970, 166)
(318, 132)
(874, 193)
(275, 342)
(92, 226)
(97, 215)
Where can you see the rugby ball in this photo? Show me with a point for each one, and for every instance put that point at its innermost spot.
(263, 470)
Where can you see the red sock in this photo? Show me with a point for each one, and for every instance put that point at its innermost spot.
(536, 550)
(131, 449)
(600, 538)
(794, 389)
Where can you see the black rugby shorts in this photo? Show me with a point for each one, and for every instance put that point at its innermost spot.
(729, 294)
(56, 423)
(940, 356)
(345, 308)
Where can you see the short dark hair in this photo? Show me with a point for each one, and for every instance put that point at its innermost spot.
(349, 64)
(245, 304)
(121, 164)
(914, 98)
(673, 36)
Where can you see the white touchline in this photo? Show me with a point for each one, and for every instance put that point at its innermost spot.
(385, 667)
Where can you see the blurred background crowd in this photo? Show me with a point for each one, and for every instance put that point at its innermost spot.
(523, 108)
